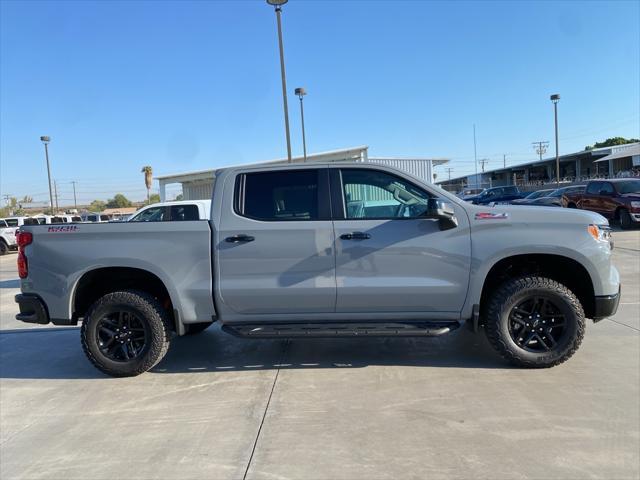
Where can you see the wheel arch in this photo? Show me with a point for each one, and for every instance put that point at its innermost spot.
(100, 281)
(565, 270)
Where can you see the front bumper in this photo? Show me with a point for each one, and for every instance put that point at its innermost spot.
(606, 306)
(635, 216)
(32, 309)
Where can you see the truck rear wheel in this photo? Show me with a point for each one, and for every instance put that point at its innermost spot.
(535, 322)
(125, 333)
(4, 248)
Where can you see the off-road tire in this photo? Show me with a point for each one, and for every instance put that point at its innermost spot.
(196, 328)
(625, 219)
(148, 310)
(4, 248)
(514, 291)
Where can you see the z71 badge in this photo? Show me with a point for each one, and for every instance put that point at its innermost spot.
(62, 228)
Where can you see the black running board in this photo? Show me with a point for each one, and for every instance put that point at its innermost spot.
(317, 330)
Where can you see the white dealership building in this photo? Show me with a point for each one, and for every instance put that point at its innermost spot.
(199, 184)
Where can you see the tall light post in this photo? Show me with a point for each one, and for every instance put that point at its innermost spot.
(301, 92)
(278, 7)
(45, 139)
(555, 98)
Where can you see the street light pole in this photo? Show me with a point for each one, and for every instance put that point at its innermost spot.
(278, 7)
(301, 92)
(555, 98)
(475, 153)
(46, 140)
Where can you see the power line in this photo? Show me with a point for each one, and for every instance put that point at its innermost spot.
(482, 162)
(540, 147)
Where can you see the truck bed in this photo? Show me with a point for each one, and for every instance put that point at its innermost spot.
(178, 253)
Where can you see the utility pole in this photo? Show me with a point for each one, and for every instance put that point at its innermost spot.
(482, 162)
(540, 147)
(55, 189)
(75, 200)
(448, 169)
(45, 140)
(504, 161)
(475, 154)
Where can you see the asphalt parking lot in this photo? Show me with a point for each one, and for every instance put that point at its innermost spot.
(221, 407)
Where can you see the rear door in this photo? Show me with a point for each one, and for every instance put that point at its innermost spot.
(388, 257)
(275, 244)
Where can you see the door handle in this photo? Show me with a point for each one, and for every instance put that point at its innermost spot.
(239, 238)
(355, 236)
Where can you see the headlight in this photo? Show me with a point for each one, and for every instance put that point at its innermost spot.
(602, 233)
(635, 204)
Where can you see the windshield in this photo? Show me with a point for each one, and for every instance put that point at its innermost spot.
(631, 186)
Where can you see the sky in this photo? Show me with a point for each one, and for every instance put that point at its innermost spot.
(189, 85)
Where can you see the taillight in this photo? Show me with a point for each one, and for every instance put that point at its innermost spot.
(23, 239)
(23, 266)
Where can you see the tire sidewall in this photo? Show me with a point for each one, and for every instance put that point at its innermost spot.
(625, 219)
(154, 331)
(564, 344)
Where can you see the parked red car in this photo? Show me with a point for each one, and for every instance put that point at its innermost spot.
(617, 199)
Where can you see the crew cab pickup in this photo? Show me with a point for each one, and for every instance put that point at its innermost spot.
(496, 195)
(616, 199)
(316, 250)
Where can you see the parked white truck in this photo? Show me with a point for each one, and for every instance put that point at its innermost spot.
(336, 250)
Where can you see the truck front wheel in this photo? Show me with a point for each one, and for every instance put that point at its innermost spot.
(625, 219)
(535, 322)
(125, 333)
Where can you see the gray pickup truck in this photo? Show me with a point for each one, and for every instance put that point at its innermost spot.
(324, 250)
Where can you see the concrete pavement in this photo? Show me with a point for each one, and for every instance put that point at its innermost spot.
(221, 407)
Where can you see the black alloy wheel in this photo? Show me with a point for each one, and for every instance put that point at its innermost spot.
(536, 324)
(122, 336)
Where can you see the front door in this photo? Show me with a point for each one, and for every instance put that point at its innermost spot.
(275, 250)
(389, 258)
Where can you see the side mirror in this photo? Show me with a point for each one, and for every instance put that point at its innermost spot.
(443, 211)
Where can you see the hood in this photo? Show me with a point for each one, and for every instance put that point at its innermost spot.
(530, 215)
(631, 196)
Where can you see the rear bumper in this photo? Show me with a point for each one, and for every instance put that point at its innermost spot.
(606, 306)
(32, 309)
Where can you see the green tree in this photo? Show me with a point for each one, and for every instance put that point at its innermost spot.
(97, 206)
(153, 198)
(179, 197)
(612, 142)
(118, 201)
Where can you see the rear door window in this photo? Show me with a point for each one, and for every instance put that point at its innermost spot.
(153, 214)
(184, 212)
(278, 196)
(12, 222)
(594, 188)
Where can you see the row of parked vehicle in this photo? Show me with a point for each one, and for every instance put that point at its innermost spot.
(616, 199)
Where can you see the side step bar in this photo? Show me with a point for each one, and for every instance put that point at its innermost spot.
(318, 330)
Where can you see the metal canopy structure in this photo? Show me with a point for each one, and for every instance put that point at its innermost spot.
(199, 184)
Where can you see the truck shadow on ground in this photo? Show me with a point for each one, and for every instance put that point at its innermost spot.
(55, 353)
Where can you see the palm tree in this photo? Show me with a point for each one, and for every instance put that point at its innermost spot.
(148, 180)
